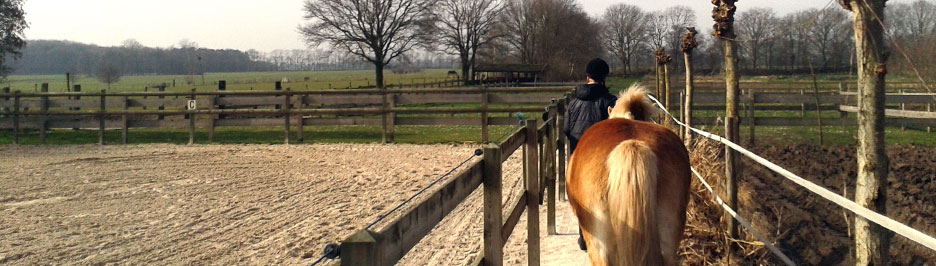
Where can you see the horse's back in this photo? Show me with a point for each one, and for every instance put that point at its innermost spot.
(602, 137)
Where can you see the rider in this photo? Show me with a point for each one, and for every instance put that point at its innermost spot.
(589, 106)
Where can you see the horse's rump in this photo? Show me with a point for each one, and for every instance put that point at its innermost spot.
(632, 185)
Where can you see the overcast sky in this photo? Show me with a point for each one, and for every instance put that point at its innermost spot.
(250, 24)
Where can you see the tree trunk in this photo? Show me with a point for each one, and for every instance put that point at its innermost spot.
(379, 68)
(687, 105)
(731, 129)
(666, 86)
(871, 240)
(380, 86)
(466, 68)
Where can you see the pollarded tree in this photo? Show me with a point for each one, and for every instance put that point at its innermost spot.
(625, 31)
(466, 25)
(12, 24)
(376, 30)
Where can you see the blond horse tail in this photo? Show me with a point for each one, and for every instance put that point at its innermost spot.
(632, 185)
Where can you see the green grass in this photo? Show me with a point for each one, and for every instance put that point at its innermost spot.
(318, 80)
(616, 84)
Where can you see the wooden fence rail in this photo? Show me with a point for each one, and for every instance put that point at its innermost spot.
(296, 109)
(387, 245)
(44, 111)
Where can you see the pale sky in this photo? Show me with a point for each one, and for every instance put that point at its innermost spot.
(263, 25)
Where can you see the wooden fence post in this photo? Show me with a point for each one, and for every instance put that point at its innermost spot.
(286, 116)
(16, 117)
(561, 144)
(802, 106)
(903, 106)
(929, 108)
(724, 29)
(550, 154)
(124, 121)
(360, 249)
(484, 114)
(493, 220)
(871, 240)
(162, 88)
(300, 127)
(212, 119)
(532, 182)
(222, 86)
(101, 118)
(391, 116)
(689, 44)
(752, 115)
(191, 117)
(6, 91)
(44, 107)
(77, 88)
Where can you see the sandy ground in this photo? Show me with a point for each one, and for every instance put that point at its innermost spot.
(218, 204)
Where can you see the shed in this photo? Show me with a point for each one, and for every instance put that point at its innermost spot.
(508, 72)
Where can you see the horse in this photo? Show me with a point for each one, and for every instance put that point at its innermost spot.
(628, 185)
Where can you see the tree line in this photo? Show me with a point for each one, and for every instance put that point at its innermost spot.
(556, 33)
(131, 58)
(821, 39)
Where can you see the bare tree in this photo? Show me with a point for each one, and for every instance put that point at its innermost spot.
(827, 33)
(523, 21)
(108, 73)
(556, 33)
(625, 30)
(12, 25)
(756, 25)
(377, 31)
(658, 30)
(666, 27)
(466, 25)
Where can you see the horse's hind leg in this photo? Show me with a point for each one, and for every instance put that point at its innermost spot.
(671, 215)
(597, 247)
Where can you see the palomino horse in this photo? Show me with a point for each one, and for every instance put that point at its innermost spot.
(628, 184)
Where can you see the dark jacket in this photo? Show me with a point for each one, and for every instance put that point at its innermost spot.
(588, 106)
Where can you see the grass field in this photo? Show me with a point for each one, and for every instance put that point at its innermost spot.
(317, 80)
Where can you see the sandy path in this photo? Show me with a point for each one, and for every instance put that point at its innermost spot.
(217, 204)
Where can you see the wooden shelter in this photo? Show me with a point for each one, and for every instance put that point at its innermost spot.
(490, 73)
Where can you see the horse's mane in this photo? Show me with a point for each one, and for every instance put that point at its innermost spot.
(633, 104)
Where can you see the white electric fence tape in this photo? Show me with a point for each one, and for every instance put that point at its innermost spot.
(872, 216)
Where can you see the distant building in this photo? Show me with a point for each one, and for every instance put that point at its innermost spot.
(508, 73)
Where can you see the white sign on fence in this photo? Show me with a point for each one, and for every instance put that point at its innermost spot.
(191, 105)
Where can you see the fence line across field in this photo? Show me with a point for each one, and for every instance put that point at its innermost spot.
(872, 216)
(286, 108)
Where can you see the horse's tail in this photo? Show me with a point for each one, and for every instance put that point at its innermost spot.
(632, 188)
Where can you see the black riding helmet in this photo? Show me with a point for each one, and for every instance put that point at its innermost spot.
(597, 69)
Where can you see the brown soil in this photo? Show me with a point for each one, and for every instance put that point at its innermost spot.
(217, 204)
(813, 230)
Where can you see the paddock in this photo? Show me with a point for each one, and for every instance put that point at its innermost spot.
(219, 204)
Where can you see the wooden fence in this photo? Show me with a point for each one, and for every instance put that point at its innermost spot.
(192, 110)
(387, 245)
(756, 101)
